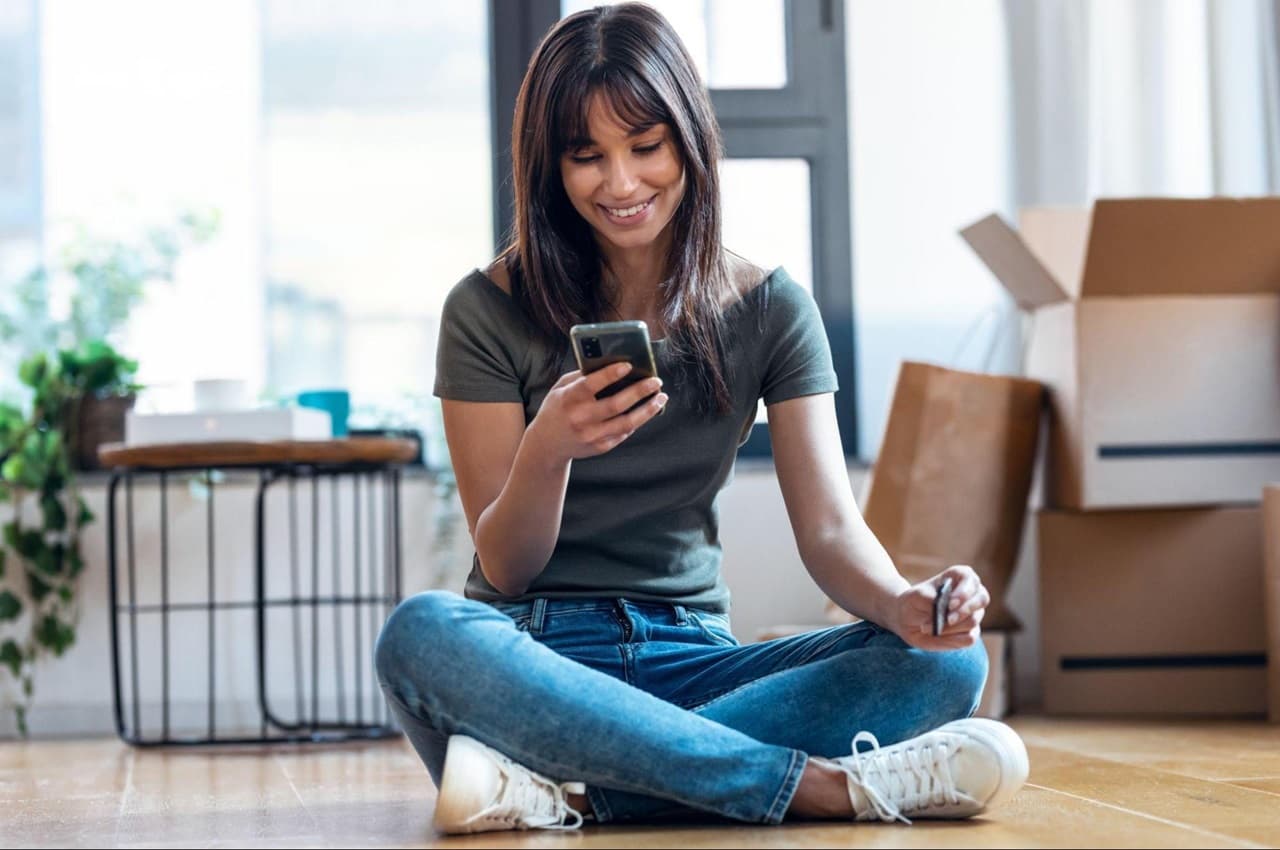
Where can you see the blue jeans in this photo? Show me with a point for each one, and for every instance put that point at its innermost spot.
(656, 707)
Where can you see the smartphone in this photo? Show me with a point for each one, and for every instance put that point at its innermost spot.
(941, 603)
(602, 344)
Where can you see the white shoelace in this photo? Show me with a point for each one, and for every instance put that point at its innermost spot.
(528, 800)
(906, 777)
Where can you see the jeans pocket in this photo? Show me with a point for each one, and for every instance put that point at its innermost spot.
(714, 628)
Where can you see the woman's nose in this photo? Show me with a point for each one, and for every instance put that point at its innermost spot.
(621, 180)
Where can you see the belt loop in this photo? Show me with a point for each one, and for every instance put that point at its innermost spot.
(682, 616)
(539, 615)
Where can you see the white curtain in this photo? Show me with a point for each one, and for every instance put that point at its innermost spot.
(1143, 97)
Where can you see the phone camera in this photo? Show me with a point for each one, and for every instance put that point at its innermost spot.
(591, 346)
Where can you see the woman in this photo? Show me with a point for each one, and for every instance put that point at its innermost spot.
(590, 670)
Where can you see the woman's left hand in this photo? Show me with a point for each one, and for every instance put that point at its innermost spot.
(969, 600)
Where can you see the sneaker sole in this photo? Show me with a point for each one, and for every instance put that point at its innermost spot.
(458, 799)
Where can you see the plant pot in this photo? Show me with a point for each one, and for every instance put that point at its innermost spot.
(101, 421)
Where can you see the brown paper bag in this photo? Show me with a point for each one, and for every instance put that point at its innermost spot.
(950, 485)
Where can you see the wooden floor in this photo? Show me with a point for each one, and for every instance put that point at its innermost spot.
(1093, 784)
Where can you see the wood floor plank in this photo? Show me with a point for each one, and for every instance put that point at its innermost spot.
(1207, 749)
(1093, 784)
(1217, 808)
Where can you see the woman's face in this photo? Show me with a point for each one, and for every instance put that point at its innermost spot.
(627, 182)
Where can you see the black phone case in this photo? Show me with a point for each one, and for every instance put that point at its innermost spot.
(620, 342)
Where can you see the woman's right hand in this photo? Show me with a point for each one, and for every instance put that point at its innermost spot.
(572, 423)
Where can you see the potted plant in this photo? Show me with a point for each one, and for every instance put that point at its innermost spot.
(40, 559)
(78, 388)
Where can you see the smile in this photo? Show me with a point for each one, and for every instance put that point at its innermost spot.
(628, 212)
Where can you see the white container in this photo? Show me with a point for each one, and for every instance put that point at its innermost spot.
(218, 394)
(288, 423)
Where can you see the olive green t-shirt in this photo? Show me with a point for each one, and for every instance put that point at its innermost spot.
(640, 521)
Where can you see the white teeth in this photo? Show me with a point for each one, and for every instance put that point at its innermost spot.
(629, 211)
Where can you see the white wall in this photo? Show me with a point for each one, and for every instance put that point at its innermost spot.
(73, 693)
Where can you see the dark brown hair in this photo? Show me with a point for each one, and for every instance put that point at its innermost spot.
(630, 55)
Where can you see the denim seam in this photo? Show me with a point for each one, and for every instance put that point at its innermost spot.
(790, 783)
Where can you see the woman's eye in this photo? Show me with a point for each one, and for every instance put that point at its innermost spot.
(584, 159)
(649, 148)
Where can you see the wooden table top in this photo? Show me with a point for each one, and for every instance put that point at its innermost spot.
(349, 450)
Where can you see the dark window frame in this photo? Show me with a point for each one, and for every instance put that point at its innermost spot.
(806, 119)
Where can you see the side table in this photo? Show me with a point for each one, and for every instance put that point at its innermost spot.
(361, 567)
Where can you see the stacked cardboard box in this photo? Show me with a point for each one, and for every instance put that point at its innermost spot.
(1156, 327)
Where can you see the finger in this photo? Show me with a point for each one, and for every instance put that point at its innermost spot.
(966, 589)
(964, 624)
(629, 422)
(621, 402)
(957, 641)
(977, 602)
(602, 378)
(567, 378)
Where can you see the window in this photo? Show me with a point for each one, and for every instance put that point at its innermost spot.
(931, 155)
(377, 197)
(344, 144)
(776, 73)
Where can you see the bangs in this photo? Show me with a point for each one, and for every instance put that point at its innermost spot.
(631, 100)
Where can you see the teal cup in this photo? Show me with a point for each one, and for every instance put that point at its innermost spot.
(337, 403)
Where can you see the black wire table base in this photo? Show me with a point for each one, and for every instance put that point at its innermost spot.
(310, 629)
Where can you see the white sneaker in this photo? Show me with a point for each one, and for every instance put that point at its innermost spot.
(958, 770)
(482, 790)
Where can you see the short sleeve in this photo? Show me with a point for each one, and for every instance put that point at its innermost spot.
(797, 356)
(481, 345)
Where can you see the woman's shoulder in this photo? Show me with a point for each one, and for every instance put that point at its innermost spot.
(745, 277)
(496, 273)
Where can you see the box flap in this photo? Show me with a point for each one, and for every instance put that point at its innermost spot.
(1013, 263)
(1179, 246)
(1058, 237)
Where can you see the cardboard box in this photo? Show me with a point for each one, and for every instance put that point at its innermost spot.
(1152, 612)
(1271, 596)
(997, 695)
(951, 481)
(1156, 326)
(285, 423)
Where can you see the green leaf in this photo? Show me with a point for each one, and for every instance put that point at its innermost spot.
(86, 516)
(10, 606)
(11, 657)
(14, 469)
(4, 557)
(75, 564)
(47, 561)
(27, 686)
(54, 634)
(65, 594)
(33, 370)
(37, 587)
(55, 516)
(20, 714)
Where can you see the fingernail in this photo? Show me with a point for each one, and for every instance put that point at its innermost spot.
(659, 380)
(953, 619)
(624, 368)
(662, 399)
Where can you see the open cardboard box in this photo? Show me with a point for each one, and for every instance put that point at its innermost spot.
(1156, 326)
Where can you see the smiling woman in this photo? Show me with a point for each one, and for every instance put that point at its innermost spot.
(591, 669)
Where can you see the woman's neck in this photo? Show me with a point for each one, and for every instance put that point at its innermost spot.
(631, 279)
